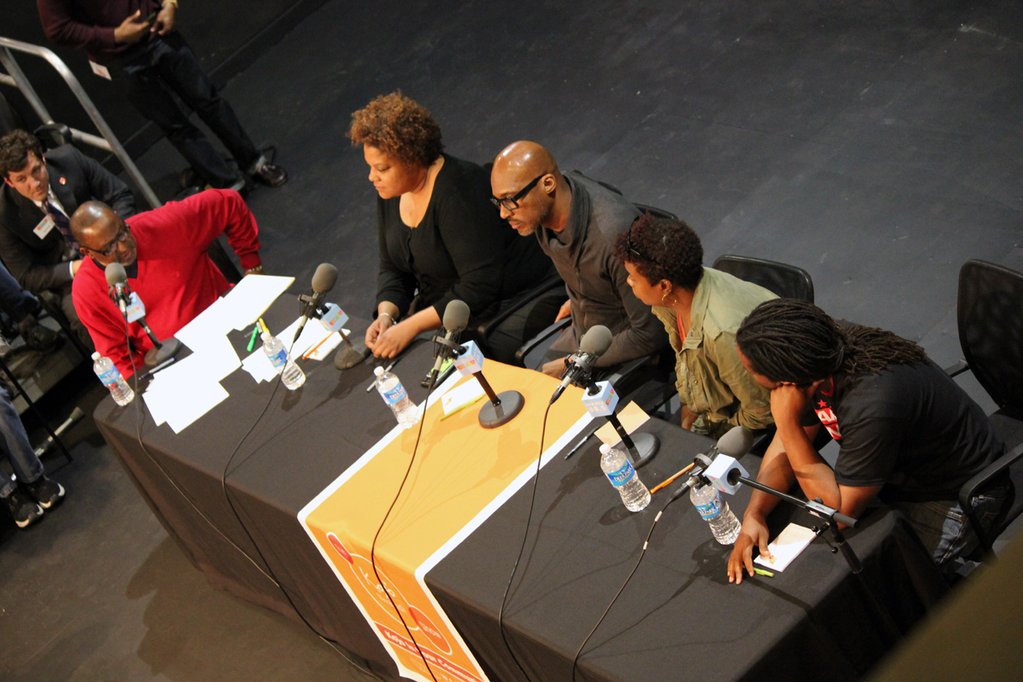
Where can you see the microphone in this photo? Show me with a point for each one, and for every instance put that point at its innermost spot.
(594, 343)
(117, 278)
(323, 281)
(456, 319)
(735, 443)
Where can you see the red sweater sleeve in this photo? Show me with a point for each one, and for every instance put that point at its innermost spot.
(223, 210)
(61, 27)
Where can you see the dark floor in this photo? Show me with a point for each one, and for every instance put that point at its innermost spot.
(876, 144)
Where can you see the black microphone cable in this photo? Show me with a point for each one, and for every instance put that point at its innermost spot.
(383, 522)
(639, 560)
(267, 572)
(522, 546)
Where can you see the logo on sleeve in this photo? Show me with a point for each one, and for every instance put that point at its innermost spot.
(828, 418)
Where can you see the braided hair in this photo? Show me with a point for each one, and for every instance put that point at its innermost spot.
(791, 340)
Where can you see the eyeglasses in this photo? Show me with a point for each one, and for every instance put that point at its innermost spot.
(633, 250)
(511, 203)
(121, 236)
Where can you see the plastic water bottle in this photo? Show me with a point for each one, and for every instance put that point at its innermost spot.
(716, 512)
(614, 461)
(390, 389)
(291, 374)
(111, 377)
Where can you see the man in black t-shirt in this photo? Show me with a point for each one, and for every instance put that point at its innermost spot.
(906, 432)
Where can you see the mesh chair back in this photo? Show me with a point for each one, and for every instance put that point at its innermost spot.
(990, 312)
(787, 281)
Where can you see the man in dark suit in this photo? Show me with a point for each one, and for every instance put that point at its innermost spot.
(37, 198)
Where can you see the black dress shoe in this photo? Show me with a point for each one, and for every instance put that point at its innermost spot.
(269, 174)
(38, 337)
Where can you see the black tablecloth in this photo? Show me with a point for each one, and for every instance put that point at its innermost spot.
(678, 619)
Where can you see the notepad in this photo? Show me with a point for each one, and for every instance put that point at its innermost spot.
(786, 547)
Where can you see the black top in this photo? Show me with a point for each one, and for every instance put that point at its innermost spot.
(911, 429)
(460, 250)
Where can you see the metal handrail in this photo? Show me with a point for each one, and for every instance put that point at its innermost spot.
(107, 141)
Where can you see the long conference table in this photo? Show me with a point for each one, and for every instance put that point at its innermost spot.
(231, 487)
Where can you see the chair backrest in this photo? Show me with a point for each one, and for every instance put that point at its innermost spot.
(787, 281)
(990, 320)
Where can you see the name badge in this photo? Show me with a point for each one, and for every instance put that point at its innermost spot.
(44, 227)
(136, 310)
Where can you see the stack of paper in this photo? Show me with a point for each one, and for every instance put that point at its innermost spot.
(190, 387)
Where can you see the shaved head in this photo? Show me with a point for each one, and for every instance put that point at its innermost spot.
(87, 215)
(102, 234)
(525, 159)
(529, 188)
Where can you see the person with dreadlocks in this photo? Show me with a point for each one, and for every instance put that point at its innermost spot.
(906, 432)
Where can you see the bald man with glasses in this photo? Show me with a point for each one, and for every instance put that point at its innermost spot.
(576, 221)
(164, 254)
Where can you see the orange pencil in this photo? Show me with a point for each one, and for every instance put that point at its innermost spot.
(671, 479)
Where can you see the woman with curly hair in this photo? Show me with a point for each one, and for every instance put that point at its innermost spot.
(700, 308)
(906, 432)
(440, 238)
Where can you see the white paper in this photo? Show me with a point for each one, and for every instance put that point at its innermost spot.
(786, 547)
(258, 365)
(251, 297)
(462, 396)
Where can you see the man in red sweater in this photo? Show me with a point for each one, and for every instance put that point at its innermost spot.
(164, 254)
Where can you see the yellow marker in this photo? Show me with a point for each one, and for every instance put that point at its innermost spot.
(262, 325)
(760, 571)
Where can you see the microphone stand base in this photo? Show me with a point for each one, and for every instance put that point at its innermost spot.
(646, 447)
(349, 356)
(165, 351)
(492, 416)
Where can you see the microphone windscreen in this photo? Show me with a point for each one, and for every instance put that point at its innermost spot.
(116, 274)
(456, 316)
(324, 278)
(736, 442)
(596, 340)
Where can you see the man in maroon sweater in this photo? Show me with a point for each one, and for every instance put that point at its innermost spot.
(139, 36)
(164, 254)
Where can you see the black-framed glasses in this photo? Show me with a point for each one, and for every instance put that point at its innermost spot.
(632, 249)
(511, 203)
(121, 236)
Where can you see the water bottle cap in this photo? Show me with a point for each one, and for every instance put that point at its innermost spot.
(96, 355)
(604, 448)
(378, 370)
(266, 336)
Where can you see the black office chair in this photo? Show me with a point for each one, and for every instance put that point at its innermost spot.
(990, 321)
(787, 281)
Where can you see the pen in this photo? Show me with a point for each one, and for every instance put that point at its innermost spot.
(374, 382)
(760, 571)
(313, 349)
(671, 479)
(252, 339)
(582, 441)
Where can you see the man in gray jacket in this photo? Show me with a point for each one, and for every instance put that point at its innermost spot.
(576, 221)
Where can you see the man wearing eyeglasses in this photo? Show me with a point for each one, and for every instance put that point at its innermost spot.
(39, 193)
(576, 221)
(164, 254)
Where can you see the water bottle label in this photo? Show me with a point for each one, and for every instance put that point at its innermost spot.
(110, 377)
(622, 476)
(395, 395)
(711, 509)
(278, 359)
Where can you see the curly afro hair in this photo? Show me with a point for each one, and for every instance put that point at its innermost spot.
(399, 126)
(660, 248)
